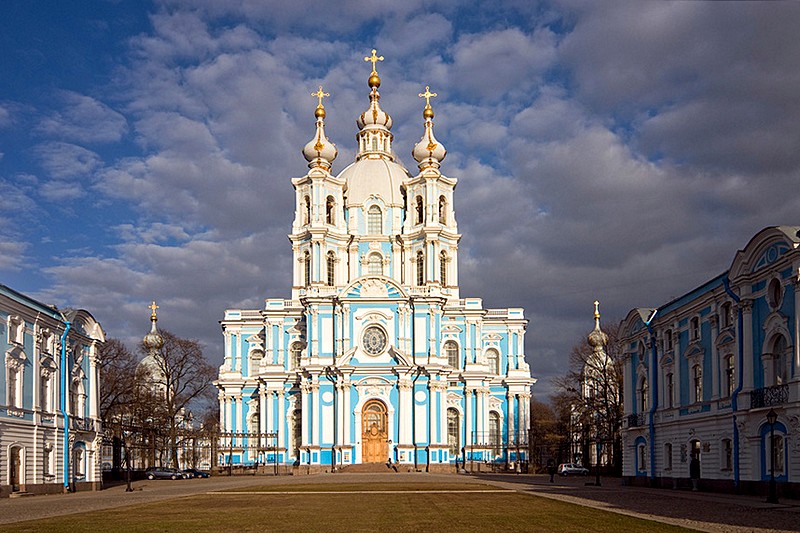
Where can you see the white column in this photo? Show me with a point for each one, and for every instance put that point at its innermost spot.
(468, 416)
(404, 411)
(94, 394)
(346, 411)
(280, 427)
(304, 388)
(715, 364)
(512, 416)
(262, 412)
(316, 419)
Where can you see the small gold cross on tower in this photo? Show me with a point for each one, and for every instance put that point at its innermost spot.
(427, 95)
(374, 58)
(153, 308)
(319, 94)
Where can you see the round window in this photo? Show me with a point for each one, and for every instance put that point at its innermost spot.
(374, 340)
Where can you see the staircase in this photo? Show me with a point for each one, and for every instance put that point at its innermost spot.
(366, 468)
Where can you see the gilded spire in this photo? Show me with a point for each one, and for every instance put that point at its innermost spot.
(374, 80)
(153, 308)
(319, 151)
(428, 152)
(153, 341)
(597, 338)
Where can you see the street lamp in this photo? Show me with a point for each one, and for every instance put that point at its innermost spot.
(772, 417)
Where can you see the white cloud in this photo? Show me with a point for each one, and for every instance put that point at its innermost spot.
(65, 160)
(83, 119)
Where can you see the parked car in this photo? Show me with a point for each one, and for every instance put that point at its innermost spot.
(160, 472)
(572, 469)
(193, 472)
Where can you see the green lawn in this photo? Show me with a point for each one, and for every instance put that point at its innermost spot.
(373, 511)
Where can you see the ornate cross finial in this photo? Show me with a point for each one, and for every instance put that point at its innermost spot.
(153, 308)
(374, 59)
(319, 94)
(427, 95)
(596, 309)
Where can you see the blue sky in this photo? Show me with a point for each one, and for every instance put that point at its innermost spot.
(620, 151)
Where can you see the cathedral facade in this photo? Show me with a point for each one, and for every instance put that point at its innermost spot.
(375, 358)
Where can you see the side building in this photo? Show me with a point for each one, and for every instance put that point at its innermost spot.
(376, 358)
(705, 373)
(50, 431)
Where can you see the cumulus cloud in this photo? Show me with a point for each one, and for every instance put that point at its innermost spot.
(83, 119)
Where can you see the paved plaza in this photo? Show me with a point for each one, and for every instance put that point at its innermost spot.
(697, 510)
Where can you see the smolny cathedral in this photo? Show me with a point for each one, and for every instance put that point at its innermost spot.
(376, 357)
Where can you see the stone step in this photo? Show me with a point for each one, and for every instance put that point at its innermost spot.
(20, 494)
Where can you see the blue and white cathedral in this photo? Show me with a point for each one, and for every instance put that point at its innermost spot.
(375, 357)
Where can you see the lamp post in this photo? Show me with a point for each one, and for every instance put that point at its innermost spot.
(599, 443)
(772, 417)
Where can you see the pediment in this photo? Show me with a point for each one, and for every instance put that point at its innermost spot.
(373, 287)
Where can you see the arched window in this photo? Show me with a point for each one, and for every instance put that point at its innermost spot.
(453, 432)
(694, 329)
(374, 142)
(420, 268)
(374, 220)
(295, 353)
(419, 210)
(307, 267)
(697, 382)
(254, 421)
(443, 268)
(493, 361)
(255, 358)
(14, 386)
(331, 266)
(730, 375)
(668, 340)
(442, 210)
(47, 394)
(641, 450)
(375, 264)
(451, 351)
(779, 358)
(329, 210)
(668, 456)
(775, 294)
(495, 440)
(306, 210)
(669, 392)
(643, 395)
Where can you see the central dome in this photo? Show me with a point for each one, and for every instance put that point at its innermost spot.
(374, 177)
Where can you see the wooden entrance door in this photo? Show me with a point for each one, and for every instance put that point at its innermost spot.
(15, 464)
(374, 432)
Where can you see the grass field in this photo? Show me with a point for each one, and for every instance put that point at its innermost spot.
(382, 507)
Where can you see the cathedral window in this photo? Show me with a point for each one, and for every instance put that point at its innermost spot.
(779, 359)
(330, 205)
(670, 389)
(697, 381)
(255, 358)
(375, 264)
(442, 210)
(307, 268)
(14, 387)
(419, 210)
(730, 375)
(45, 401)
(331, 266)
(453, 432)
(451, 351)
(694, 328)
(493, 361)
(294, 356)
(643, 395)
(420, 268)
(443, 268)
(775, 294)
(374, 220)
(306, 210)
(495, 440)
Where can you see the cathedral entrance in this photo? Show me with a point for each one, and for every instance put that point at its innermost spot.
(374, 433)
(15, 467)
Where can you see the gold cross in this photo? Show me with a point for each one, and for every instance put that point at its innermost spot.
(153, 308)
(375, 58)
(319, 94)
(427, 96)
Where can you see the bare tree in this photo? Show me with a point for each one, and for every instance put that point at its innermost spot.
(117, 371)
(177, 376)
(593, 390)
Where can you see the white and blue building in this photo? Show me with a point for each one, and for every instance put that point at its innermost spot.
(376, 357)
(50, 430)
(702, 372)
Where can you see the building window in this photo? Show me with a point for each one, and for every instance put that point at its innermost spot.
(495, 440)
(493, 361)
(442, 210)
(443, 268)
(255, 358)
(726, 315)
(697, 382)
(46, 392)
(375, 264)
(420, 268)
(727, 454)
(330, 205)
(14, 384)
(307, 267)
(331, 266)
(643, 395)
(694, 328)
(777, 449)
(641, 351)
(80, 462)
(306, 210)
(669, 391)
(451, 351)
(668, 339)
(730, 375)
(294, 356)
(453, 432)
(641, 450)
(779, 358)
(668, 456)
(374, 220)
(419, 209)
(775, 294)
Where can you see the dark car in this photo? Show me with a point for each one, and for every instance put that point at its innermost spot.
(159, 472)
(193, 472)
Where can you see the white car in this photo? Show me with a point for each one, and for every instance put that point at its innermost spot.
(572, 469)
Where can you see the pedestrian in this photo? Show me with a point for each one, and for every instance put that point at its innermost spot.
(551, 469)
(694, 472)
